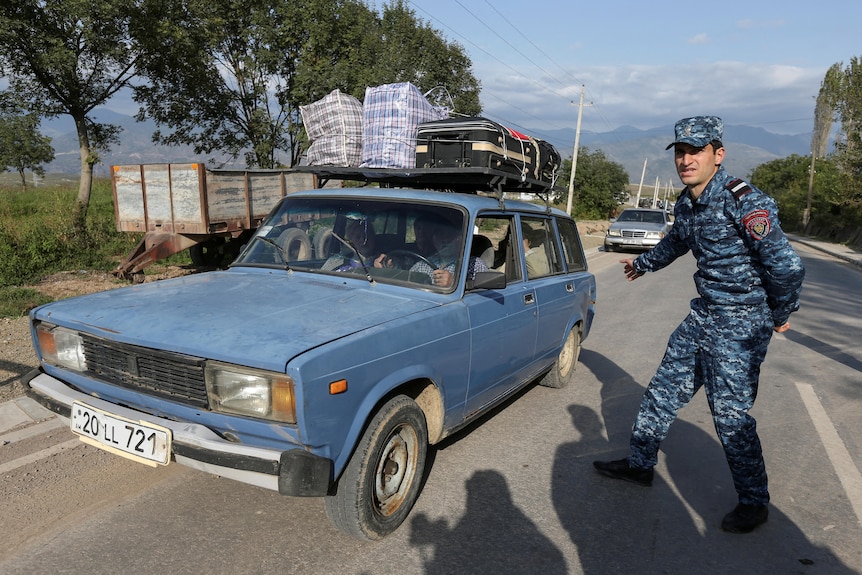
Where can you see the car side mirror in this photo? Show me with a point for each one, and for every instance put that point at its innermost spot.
(487, 280)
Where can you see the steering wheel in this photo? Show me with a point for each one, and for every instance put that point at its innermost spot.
(404, 254)
(419, 258)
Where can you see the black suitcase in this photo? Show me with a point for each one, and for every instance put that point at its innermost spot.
(480, 142)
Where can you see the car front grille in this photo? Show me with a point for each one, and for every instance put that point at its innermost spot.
(170, 375)
(633, 234)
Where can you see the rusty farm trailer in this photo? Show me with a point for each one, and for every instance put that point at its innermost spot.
(212, 213)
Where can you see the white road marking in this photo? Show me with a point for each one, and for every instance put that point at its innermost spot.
(41, 454)
(837, 452)
(33, 430)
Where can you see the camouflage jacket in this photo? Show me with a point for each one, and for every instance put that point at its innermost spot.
(743, 256)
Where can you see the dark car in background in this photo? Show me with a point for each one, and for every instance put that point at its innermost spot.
(637, 229)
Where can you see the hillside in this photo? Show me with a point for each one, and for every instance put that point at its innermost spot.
(747, 147)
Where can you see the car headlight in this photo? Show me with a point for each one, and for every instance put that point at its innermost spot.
(251, 392)
(61, 347)
(615, 233)
(654, 235)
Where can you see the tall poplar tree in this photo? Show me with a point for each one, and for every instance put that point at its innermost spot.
(230, 75)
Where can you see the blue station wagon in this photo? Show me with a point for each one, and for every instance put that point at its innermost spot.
(358, 327)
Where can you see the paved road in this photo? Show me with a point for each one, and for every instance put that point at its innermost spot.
(516, 493)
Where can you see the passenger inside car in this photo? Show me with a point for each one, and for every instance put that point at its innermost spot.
(359, 236)
(534, 252)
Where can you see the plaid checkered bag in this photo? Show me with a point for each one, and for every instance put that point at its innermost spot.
(391, 116)
(334, 127)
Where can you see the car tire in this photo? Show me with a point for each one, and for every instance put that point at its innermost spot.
(610, 248)
(381, 482)
(562, 372)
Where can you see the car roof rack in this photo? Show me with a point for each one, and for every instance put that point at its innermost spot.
(470, 180)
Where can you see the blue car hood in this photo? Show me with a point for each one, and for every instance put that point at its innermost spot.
(257, 318)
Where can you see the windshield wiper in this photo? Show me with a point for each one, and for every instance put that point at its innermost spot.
(278, 249)
(359, 257)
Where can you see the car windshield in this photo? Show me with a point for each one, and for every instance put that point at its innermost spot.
(641, 216)
(392, 242)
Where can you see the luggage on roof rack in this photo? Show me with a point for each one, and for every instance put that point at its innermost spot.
(462, 180)
(482, 143)
(391, 114)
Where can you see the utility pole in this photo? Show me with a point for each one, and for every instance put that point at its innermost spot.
(641, 185)
(575, 152)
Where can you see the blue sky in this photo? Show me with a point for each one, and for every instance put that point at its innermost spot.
(646, 64)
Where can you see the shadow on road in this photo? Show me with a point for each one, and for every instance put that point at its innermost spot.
(673, 526)
(493, 535)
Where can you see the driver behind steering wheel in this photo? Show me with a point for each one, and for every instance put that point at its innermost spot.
(445, 238)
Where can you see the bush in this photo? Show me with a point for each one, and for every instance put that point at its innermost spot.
(37, 236)
(16, 302)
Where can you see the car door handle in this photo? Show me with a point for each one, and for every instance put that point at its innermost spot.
(570, 288)
(529, 299)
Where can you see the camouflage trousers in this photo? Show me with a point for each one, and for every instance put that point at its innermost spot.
(719, 348)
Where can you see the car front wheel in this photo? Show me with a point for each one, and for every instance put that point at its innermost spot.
(382, 479)
(563, 369)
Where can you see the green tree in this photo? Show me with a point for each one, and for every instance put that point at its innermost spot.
(408, 49)
(332, 47)
(600, 185)
(22, 146)
(843, 88)
(212, 76)
(67, 57)
(787, 180)
(230, 75)
(823, 117)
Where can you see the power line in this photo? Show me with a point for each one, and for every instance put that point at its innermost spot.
(599, 112)
(534, 45)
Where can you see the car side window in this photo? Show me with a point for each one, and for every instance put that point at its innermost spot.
(500, 233)
(540, 247)
(571, 241)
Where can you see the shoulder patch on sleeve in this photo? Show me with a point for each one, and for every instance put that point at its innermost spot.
(757, 224)
(738, 188)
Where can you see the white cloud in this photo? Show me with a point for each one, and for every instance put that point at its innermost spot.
(779, 98)
(699, 39)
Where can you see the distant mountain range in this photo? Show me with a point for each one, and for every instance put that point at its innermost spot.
(747, 147)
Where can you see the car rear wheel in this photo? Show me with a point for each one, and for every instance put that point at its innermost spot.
(382, 480)
(562, 371)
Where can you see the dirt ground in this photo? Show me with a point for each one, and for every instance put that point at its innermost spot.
(16, 351)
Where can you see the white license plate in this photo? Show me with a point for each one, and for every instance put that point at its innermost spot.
(137, 440)
(630, 241)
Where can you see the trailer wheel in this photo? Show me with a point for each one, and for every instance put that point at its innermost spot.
(208, 253)
(382, 479)
(295, 244)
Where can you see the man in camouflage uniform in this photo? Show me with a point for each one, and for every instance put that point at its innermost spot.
(749, 279)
